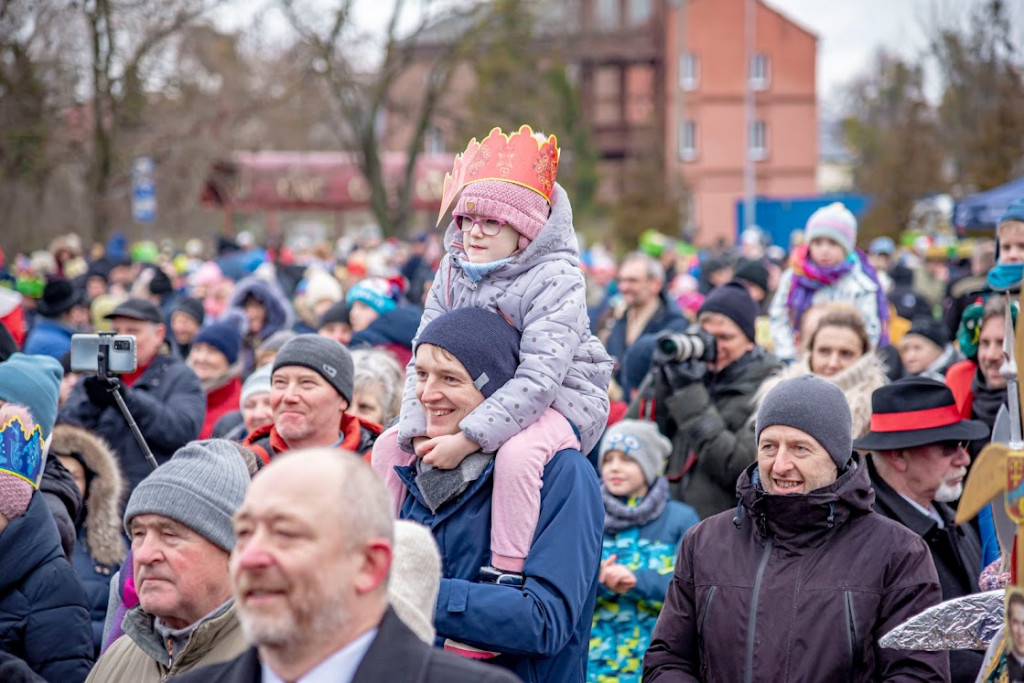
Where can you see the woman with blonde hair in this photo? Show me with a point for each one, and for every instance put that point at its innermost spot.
(839, 350)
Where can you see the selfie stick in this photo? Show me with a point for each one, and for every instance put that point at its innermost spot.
(102, 371)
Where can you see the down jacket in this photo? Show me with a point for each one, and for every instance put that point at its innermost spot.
(43, 618)
(100, 549)
(166, 401)
(796, 588)
(562, 365)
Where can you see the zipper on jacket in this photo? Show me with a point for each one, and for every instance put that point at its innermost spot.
(700, 633)
(748, 668)
(851, 627)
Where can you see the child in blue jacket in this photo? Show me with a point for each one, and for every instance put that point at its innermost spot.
(642, 532)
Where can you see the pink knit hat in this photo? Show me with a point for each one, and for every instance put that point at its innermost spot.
(526, 210)
(834, 222)
(21, 461)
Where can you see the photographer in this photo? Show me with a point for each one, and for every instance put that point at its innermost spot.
(163, 395)
(701, 398)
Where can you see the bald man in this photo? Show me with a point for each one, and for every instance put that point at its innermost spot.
(310, 572)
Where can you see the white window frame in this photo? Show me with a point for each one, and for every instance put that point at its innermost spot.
(757, 142)
(689, 71)
(688, 148)
(760, 71)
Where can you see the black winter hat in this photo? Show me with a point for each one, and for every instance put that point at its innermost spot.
(191, 307)
(930, 329)
(483, 341)
(59, 296)
(916, 411)
(753, 272)
(338, 313)
(733, 301)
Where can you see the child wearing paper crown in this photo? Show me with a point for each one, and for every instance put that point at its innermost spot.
(642, 532)
(511, 248)
(43, 613)
(827, 267)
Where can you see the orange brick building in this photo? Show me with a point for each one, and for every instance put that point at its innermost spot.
(676, 72)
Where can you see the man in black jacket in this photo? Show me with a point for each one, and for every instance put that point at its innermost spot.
(918, 463)
(310, 572)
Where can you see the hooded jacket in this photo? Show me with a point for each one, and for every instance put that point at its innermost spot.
(65, 502)
(278, 309)
(100, 549)
(668, 316)
(43, 617)
(542, 292)
(796, 588)
(393, 331)
(857, 381)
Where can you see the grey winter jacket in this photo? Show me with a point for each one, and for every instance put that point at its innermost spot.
(562, 365)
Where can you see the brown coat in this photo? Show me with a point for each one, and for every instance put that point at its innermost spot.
(796, 588)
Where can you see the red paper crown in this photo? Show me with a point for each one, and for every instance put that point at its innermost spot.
(521, 158)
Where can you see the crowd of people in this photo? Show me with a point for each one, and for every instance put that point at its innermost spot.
(484, 455)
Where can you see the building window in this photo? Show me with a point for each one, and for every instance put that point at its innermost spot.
(689, 71)
(758, 144)
(433, 141)
(760, 74)
(607, 14)
(639, 12)
(688, 140)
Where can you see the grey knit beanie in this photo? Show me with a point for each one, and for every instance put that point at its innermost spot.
(257, 383)
(325, 356)
(813, 406)
(640, 440)
(201, 487)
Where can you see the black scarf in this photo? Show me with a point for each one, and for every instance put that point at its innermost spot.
(986, 401)
(619, 515)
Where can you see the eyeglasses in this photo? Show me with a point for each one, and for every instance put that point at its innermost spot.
(488, 226)
(952, 447)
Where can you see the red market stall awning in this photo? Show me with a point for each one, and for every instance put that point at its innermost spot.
(319, 181)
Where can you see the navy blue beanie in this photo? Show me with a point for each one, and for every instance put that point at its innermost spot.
(483, 341)
(1014, 212)
(733, 301)
(223, 336)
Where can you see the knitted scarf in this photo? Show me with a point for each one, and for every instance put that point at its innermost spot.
(809, 277)
(622, 514)
(986, 401)
(476, 271)
(1005, 276)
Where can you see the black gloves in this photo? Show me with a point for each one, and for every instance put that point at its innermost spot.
(677, 376)
(100, 391)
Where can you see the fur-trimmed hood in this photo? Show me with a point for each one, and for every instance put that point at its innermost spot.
(858, 382)
(103, 501)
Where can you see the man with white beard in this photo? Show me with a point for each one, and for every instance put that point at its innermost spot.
(918, 444)
(310, 571)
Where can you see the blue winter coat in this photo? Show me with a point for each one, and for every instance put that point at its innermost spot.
(667, 317)
(623, 623)
(543, 629)
(397, 327)
(49, 337)
(95, 579)
(43, 617)
(168, 404)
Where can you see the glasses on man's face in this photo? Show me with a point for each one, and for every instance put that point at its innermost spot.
(950, 448)
(488, 226)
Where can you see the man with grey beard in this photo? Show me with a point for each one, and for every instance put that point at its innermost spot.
(918, 443)
(310, 571)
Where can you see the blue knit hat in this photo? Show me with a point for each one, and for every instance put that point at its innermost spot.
(379, 294)
(34, 382)
(483, 341)
(1014, 212)
(223, 336)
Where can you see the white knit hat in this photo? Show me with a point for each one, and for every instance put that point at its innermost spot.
(415, 578)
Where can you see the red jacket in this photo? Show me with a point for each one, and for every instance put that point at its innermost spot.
(220, 402)
(358, 437)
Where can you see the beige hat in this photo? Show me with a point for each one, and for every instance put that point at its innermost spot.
(415, 578)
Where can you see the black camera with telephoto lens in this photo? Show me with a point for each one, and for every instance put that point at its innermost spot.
(678, 347)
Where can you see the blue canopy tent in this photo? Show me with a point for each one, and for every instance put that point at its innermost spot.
(981, 211)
